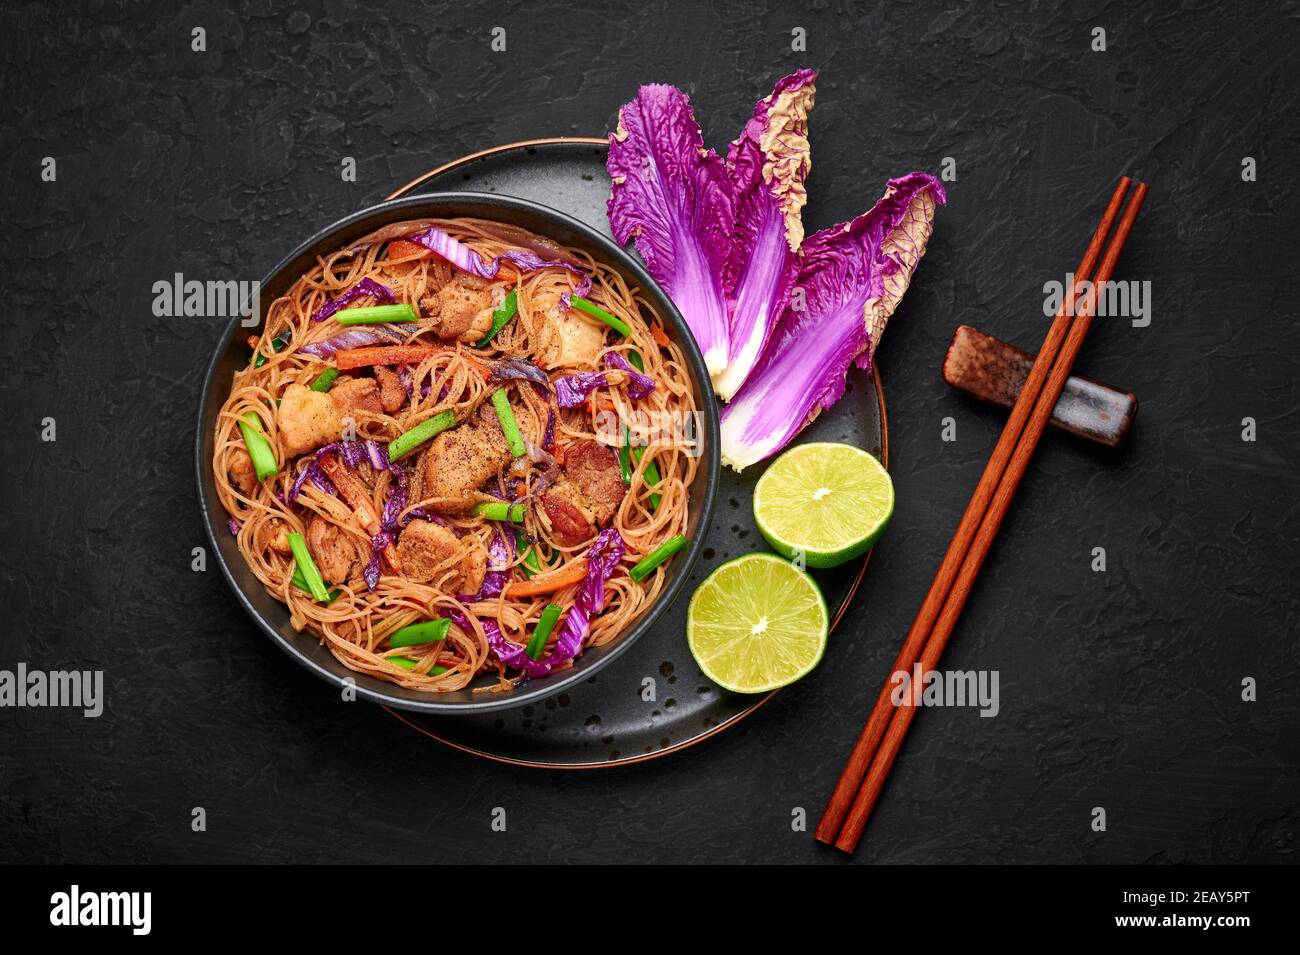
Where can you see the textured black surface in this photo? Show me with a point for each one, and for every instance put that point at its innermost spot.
(1119, 690)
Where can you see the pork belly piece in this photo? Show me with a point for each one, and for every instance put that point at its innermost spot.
(587, 495)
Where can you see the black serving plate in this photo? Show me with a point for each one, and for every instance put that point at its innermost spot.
(653, 700)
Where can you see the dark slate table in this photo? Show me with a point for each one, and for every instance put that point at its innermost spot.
(1119, 689)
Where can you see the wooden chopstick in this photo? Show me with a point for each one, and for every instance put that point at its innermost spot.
(983, 539)
(864, 750)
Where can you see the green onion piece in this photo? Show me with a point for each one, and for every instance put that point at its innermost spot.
(301, 584)
(545, 624)
(656, 557)
(651, 476)
(634, 359)
(652, 469)
(430, 631)
(532, 564)
(310, 574)
(625, 456)
(509, 426)
(500, 511)
(375, 314)
(406, 663)
(595, 311)
(504, 312)
(325, 379)
(408, 441)
(277, 344)
(259, 449)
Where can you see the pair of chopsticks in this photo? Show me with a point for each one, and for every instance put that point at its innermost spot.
(873, 755)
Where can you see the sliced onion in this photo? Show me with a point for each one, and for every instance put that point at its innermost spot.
(520, 369)
(394, 230)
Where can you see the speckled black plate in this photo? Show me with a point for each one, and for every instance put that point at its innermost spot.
(653, 700)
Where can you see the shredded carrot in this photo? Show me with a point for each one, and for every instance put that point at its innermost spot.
(483, 371)
(353, 492)
(659, 335)
(402, 249)
(570, 573)
(349, 358)
(358, 498)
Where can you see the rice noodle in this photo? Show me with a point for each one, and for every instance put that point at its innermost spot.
(356, 625)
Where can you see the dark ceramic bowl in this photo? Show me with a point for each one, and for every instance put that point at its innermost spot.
(232, 353)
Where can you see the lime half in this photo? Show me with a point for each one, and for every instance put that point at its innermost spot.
(823, 503)
(757, 623)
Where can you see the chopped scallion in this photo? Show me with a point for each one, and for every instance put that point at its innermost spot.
(301, 584)
(542, 632)
(406, 663)
(307, 567)
(643, 568)
(259, 449)
(500, 511)
(509, 426)
(595, 311)
(430, 631)
(651, 475)
(408, 441)
(504, 312)
(625, 456)
(277, 344)
(325, 379)
(532, 563)
(375, 314)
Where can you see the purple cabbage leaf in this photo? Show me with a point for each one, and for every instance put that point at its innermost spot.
(767, 166)
(672, 196)
(852, 277)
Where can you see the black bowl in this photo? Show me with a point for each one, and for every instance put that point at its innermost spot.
(232, 353)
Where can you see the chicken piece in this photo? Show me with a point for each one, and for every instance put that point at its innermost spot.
(429, 551)
(473, 567)
(462, 309)
(241, 473)
(333, 551)
(308, 419)
(280, 537)
(460, 460)
(392, 395)
(356, 394)
(569, 338)
(588, 493)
